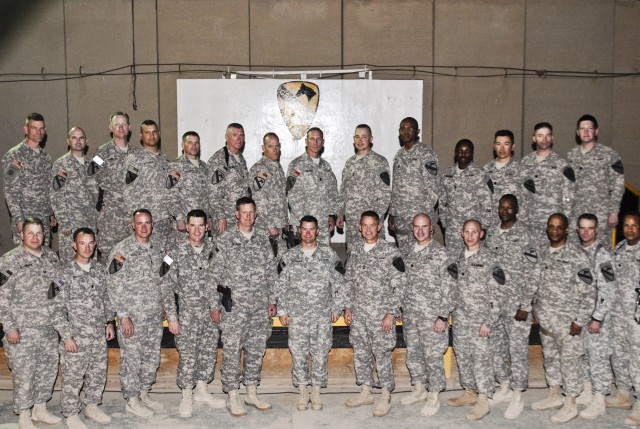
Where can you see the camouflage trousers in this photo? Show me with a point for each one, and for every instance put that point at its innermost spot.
(474, 355)
(163, 231)
(140, 356)
(563, 359)
(452, 237)
(310, 336)
(424, 351)
(404, 235)
(369, 343)
(510, 348)
(598, 357)
(197, 345)
(34, 365)
(626, 349)
(244, 329)
(114, 225)
(88, 366)
(65, 251)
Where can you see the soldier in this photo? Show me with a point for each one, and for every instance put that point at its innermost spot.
(626, 319)
(466, 194)
(551, 182)
(30, 343)
(375, 280)
(564, 303)
(268, 186)
(599, 176)
(416, 185)
(598, 335)
(191, 272)
(139, 293)
(312, 188)
(365, 185)
(73, 195)
(188, 177)
(426, 316)
(84, 318)
(108, 169)
(508, 175)
(245, 275)
(228, 178)
(476, 300)
(310, 293)
(26, 168)
(514, 244)
(147, 181)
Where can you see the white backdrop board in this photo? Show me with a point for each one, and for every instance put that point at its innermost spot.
(207, 106)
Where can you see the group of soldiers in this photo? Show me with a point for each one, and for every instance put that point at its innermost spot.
(239, 246)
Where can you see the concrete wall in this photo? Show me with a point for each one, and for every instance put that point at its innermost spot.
(207, 37)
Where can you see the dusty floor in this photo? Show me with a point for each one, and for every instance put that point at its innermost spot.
(276, 388)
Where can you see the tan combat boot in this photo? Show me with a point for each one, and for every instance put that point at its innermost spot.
(253, 400)
(433, 404)
(24, 421)
(149, 402)
(480, 409)
(234, 405)
(622, 400)
(316, 402)
(469, 397)
(587, 394)
(185, 409)
(202, 396)
(384, 404)
(364, 398)
(93, 412)
(633, 419)
(554, 400)
(135, 407)
(595, 408)
(303, 398)
(568, 412)
(74, 422)
(418, 394)
(515, 406)
(42, 415)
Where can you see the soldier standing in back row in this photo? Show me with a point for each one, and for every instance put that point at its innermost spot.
(425, 311)
(108, 169)
(268, 186)
(191, 273)
(30, 343)
(564, 302)
(73, 195)
(375, 281)
(26, 168)
(599, 176)
(246, 274)
(312, 188)
(83, 316)
(310, 292)
(365, 185)
(140, 294)
(466, 194)
(228, 179)
(416, 185)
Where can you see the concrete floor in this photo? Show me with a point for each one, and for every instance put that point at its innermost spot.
(276, 388)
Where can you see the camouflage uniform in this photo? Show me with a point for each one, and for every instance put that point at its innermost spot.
(26, 187)
(312, 190)
(476, 296)
(190, 190)
(626, 317)
(248, 268)
(516, 250)
(146, 186)
(268, 186)
(426, 298)
(309, 289)
(228, 181)
(599, 182)
(550, 189)
(81, 311)
(108, 169)
(193, 280)
(565, 294)
(416, 189)
(73, 199)
(466, 194)
(365, 186)
(26, 284)
(375, 282)
(508, 180)
(139, 291)
(599, 346)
